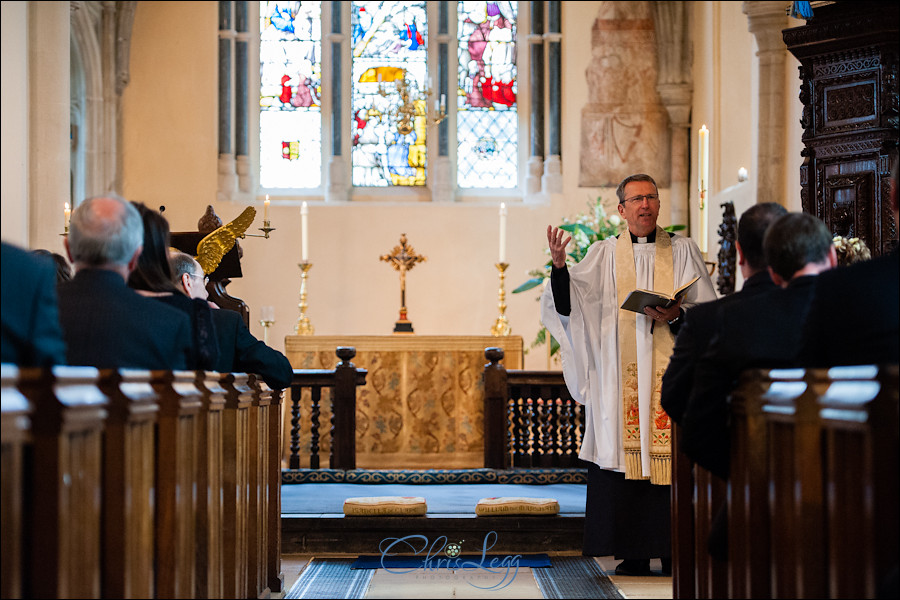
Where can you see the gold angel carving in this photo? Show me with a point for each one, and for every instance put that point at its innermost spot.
(215, 245)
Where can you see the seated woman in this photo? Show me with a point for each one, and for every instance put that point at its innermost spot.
(153, 278)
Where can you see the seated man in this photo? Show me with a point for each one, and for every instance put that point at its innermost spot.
(239, 351)
(762, 331)
(699, 321)
(106, 324)
(31, 333)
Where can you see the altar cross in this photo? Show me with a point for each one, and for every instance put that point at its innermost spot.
(403, 258)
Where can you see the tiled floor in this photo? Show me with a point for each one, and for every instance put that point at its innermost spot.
(631, 587)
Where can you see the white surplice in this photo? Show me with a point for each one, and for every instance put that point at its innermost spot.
(589, 345)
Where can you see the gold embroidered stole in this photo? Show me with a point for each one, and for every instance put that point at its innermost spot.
(663, 341)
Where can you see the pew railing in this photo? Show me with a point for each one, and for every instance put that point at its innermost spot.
(341, 383)
(530, 419)
(140, 484)
(812, 497)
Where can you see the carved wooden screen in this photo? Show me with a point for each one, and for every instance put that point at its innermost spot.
(849, 53)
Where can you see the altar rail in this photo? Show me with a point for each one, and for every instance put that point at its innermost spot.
(343, 381)
(812, 502)
(139, 484)
(530, 419)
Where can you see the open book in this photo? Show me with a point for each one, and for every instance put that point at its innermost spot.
(639, 299)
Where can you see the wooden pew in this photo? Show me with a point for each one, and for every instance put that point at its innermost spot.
(210, 568)
(114, 484)
(129, 459)
(813, 492)
(15, 428)
(63, 483)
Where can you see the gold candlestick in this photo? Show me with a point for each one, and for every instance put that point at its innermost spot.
(303, 326)
(501, 325)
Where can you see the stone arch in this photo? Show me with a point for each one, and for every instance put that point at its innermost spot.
(100, 40)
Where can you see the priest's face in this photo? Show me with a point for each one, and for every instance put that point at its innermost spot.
(640, 208)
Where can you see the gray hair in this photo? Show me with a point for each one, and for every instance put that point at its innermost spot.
(105, 230)
(182, 263)
(620, 191)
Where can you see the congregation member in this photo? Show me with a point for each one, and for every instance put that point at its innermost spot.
(761, 331)
(697, 329)
(239, 350)
(63, 269)
(31, 334)
(153, 279)
(853, 319)
(627, 441)
(105, 323)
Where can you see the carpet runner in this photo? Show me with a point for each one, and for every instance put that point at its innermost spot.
(567, 577)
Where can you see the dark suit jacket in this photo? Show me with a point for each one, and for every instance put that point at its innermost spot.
(693, 339)
(240, 352)
(762, 331)
(109, 325)
(31, 335)
(853, 319)
(204, 344)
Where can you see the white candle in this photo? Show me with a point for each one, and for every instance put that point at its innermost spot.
(266, 210)
(704, 189)
(304, 232)
(502, 232)
(67, 214)
(268, 313)
(443, 102)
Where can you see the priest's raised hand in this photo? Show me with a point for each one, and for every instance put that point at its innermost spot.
(557, 245)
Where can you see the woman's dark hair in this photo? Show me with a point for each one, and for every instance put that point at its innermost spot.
(63, 269)
(153, 272)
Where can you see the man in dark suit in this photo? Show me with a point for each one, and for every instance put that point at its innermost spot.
(762, 331)
(853, 319)
(239, 350)
(106, 323)
(699, 321)
(31, 335)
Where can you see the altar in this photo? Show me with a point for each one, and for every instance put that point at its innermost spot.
(422, 405)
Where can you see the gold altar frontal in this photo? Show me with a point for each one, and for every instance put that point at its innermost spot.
(422, 405)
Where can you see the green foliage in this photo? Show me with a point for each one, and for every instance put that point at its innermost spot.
(587, 228)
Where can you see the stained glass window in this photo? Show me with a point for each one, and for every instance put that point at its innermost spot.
(290, 118)
(388, 102)
(487, 120)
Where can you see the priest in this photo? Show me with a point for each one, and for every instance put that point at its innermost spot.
(613, 361)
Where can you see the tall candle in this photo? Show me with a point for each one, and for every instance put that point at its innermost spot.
(704, 189)
(67, 214)
(304, 232)
(266, 209)
(502, 232)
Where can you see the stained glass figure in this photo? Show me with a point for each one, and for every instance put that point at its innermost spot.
(487, 111)
(389, 75)
(290, 119)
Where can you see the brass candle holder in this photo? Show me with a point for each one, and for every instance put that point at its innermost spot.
(266, 228)
(266, 324)
(267, 318)
(501, 325)
(303, 326)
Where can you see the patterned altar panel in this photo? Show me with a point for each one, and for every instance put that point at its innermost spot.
(422, 404)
